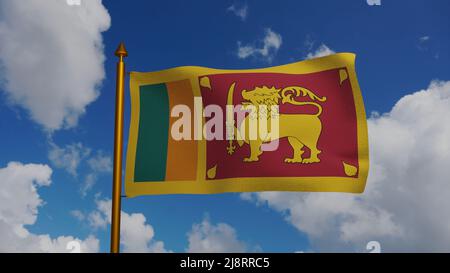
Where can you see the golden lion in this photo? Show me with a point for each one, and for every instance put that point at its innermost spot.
(300, 129)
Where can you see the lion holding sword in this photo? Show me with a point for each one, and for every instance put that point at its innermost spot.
(300, 129)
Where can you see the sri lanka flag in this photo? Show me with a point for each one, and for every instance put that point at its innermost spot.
(295, 127)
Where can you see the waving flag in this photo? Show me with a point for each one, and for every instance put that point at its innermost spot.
(296, 127)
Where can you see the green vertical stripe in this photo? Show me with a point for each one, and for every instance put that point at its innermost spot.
(151, 152)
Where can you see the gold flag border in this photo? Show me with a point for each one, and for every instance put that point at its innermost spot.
(246, 184)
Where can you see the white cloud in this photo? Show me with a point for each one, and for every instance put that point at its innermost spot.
(240, 11)
(98, 165)
(321, 51)
(68, 157)
(206, 237)
(88, 183)
(424, 43)
(405, 206)
(136, 234)
(269, 47)
(308, 43)
(424, 38)
(78, 215)
(98, 220)
(72, 156)
(19, 203)
(52, 57)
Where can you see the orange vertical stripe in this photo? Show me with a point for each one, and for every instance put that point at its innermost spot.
(181, 155)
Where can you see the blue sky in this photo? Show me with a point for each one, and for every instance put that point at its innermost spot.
(401, 47)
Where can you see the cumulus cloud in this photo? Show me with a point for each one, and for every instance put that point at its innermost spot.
(206, 237)
(240, 10)
(405, 205)
(136, 234)
(19, 203)
(51, 56)
(266, 50)
(321, 51)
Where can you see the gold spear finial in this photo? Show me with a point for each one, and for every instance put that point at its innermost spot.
(121, 51)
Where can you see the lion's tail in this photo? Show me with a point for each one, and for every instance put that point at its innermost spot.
(319, 107)
(301, 91)
(288, 93)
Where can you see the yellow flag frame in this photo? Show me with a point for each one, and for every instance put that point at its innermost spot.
(245, 184)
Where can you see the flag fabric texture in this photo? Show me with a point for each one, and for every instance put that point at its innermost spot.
(184, 137)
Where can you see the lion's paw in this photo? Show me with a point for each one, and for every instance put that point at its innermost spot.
(292, 160)
(310, 160)
(249, 159)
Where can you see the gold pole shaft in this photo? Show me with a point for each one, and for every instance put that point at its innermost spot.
(118, 146)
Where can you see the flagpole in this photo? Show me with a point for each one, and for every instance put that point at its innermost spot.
(121, 52)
